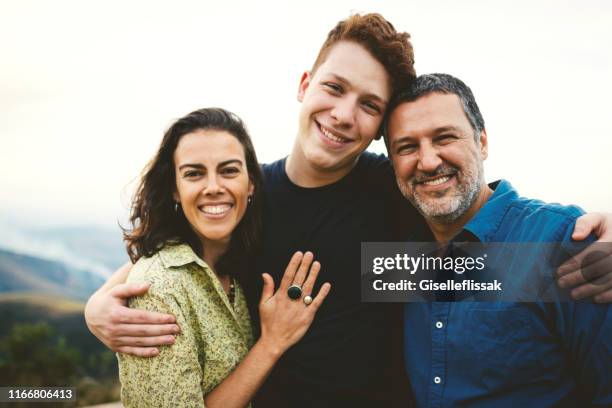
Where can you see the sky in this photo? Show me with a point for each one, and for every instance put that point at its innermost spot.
(87, 89)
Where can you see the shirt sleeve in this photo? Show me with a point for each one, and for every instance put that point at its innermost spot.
(587, 334)
(174, 377)
(588, 337)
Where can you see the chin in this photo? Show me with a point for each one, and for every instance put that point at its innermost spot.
(216, 235)
(323, 159)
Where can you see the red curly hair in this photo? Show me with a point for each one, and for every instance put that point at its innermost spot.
(389, 47)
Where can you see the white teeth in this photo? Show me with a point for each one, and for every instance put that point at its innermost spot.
(330, 136)
(437, 181)
(215, 209)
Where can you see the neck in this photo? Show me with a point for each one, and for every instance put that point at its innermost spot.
(303, 173)
(444, 232)
(213, 251)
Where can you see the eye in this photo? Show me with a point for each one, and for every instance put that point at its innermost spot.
(445, 139)
(406, 148)
(230, 171)
(333, 87)
(192, 173)
(372, 107)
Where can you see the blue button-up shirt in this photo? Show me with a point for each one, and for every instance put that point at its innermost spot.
(508, 354)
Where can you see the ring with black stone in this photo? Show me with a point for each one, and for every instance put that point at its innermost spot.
(294, 292)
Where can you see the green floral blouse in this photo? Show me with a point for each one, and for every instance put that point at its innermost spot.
(215, 336)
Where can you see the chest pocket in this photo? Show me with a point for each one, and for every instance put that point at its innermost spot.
(501, 337)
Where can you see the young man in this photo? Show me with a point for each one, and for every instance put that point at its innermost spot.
(484, 354)
(326, 197)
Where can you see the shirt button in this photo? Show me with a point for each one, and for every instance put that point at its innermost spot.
(437, 380)
(439, 325)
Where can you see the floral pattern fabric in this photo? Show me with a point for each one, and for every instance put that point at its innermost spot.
(215, 335)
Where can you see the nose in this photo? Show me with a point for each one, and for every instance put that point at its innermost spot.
(214, 186)
(344, 112)
(429, 159)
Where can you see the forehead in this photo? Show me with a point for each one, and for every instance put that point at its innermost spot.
(353, 62)
(207, 147)
(426, 114)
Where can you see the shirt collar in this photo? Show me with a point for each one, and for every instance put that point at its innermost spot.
(487, 220)
(175, 255)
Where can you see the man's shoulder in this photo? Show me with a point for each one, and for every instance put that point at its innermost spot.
(273, 167)
(371, 160)
(374, 169)
(534, 208)
(541, 220)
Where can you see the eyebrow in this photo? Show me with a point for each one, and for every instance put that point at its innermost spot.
(201, 166)
(448, 128)
(368, 95)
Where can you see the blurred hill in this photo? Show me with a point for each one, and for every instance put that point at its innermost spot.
(95, 249)
(101, 245)
(23, 273)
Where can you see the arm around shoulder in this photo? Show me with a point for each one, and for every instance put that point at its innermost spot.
(121, 328)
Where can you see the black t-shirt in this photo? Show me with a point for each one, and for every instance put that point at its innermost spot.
(351, 355)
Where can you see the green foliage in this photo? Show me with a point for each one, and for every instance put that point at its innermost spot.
(43, 344)
(34, 355)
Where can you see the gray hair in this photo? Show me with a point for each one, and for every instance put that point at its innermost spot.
(441, 83)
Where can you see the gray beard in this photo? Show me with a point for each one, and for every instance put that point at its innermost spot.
(466, 196)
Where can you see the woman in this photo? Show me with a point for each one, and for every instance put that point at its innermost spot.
(195, 221)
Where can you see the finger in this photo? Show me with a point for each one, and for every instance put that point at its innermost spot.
(568, 267)
(588, 290)
(571, 280)
(268, 288)
(312, 277)
(127, 290)
(586, 278)
(146, 330)
(137, 316)
(598, 254)
(293, 265)
(605, 297)
(300, 275)
(139, 351)
(586, 224)
(323, 292)
(145, 341)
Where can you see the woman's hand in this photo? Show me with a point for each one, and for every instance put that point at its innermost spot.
(284, 320)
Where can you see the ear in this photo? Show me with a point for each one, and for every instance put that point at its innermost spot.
(176, 197)
(251, 188)
(304, 83)
(484, 144)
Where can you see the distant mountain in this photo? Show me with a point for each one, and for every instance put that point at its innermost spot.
(103, 245)
(96, 249)
(24, 273)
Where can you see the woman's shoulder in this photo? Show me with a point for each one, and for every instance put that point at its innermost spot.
(166, 269)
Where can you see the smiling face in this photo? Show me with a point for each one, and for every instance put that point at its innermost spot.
(212, 183)
(438, 162)
(343, 103)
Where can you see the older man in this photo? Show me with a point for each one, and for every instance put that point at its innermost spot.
(484, 354)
